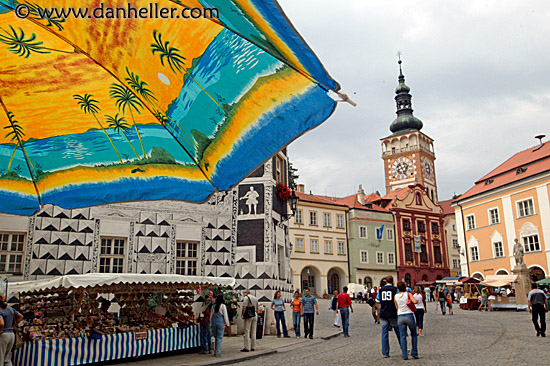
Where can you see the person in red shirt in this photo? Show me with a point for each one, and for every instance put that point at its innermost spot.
(344, 306)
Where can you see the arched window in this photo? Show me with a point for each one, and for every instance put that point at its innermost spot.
(408, 279)
(368, 282)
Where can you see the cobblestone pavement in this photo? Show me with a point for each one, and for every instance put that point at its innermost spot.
(465, 338)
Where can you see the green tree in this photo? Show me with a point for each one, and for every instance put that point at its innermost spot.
(90, 105)
(171, 54)
(292, 176)
(124, 98)
(16, 133)
(118, 124)
(139, 86)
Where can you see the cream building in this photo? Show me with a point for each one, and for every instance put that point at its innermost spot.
(451, 236)
(319, 254)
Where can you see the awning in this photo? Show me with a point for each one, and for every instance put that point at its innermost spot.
(469, 280)
(425, 283)
(545, 281)
(450, 280)
(105, 279)
(499, 280)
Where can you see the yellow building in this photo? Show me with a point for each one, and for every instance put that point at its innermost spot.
(512, 201)
(451, 237)
(319, 254)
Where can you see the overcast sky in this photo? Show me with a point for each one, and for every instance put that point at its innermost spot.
(478, 72)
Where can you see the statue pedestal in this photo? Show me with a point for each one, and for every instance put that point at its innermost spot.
(522, 285)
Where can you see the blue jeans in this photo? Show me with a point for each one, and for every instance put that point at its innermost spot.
(344, 313)
(385, 339)
(442, 305)
(280, 318)
(296, 319)
(218, 328)
(407, 321)
(206, 337)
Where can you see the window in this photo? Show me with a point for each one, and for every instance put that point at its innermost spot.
(421, 226)
(456, 263)
(364, 256)
(470, 222)
(531, 243)
(389, 234)
(186, 258)
(111, 259)
(326, 221)
(493, 216)
(328, 246)
(314, 246)
(454, 227)
(498, 250)
(474, 254)
(408, 252)
(435, 228)
(437, 254)
(526, 208)
(455, 243)
(11, 252)
(299, 244)
(363, 232)
(340, 221)
(313, 218)
(423, 253)
(379, 257)
(406, 225)
(341, 248)
(279, 170)
(299, 218)
(391, 258)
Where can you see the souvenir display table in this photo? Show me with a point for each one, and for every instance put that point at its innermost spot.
(67, 319)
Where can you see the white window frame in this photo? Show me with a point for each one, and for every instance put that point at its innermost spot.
(316, 245)
(472, 250)
(495, 251)
(527, 247)
(389, 233)
(525, 214)
(378, 256)
(468, 226)
(279, 170)
(313, 218)
(366, 254)
(339, 221)
(391, 258)
(366, 236)
(343, 247)
(456, 263)
(299, 217)
(329, 247)
(489, 211)
(300, 248)
(325, 221)
(12, 258)
(186, 259)
(107, 260)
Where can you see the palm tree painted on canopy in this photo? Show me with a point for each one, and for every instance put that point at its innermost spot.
(21, 45)
(90, 105)
(140, 87)
(119, 125)
(17, 134)
(124, 98)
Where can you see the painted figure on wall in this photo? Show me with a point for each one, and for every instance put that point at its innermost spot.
(251, 198)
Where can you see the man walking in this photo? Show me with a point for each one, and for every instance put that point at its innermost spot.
(308, 310)
(376, 306)
(538, 307)
(344, 306)
(250, 323)
(388, 314)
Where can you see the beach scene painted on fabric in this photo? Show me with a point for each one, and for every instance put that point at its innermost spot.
(103, 111)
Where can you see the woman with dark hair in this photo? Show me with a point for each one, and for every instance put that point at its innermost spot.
(405, 319)
(219, 318)
(278, 306)
(420, 309)
(9, 318)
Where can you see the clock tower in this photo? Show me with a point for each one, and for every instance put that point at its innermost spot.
(408, 154)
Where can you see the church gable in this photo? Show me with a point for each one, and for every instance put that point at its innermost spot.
(417, 199)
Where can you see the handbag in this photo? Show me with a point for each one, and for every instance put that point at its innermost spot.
(410, 304)
(249, 311)
(18, 341)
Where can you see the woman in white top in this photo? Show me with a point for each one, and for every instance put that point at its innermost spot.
(420, 309)
(219, 318)
(405, 319)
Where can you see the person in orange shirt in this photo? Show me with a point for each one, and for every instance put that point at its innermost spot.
(296, 317)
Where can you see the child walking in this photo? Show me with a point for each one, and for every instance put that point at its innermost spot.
(206, 335)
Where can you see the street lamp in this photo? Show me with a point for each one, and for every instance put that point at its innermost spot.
(293, 203)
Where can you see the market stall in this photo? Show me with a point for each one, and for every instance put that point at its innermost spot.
(501, 299)
(85, 319)
(469, 300)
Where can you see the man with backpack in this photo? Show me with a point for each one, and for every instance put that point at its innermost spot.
(388, 314)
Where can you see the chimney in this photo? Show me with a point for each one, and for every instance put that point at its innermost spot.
(361, 195)
(540, 137)
(301, 188)
(368, 204)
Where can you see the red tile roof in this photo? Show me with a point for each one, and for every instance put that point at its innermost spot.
(535, 161)
(400, 194)
(318, 199)
(446, 206)
(352, 202)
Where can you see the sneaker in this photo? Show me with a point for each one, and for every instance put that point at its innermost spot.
(386, 356)
(543, 334)
(252, 349)
(310, 337)
(202, 352)
(278, 336)
(245, 350)
(416, 357)
(538, 334)
(217, 355)
(287, 336)
(297, 336)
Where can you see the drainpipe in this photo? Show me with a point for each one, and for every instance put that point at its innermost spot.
(347, 247)
(464, 236)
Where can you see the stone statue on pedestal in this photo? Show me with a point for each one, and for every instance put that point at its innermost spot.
(518, 253)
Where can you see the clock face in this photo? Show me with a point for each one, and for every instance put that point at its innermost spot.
(402, 168)
(428, 168)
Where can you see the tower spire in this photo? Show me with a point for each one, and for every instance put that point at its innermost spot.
(405, 120)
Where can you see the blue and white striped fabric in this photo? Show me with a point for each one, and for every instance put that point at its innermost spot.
(83, 351)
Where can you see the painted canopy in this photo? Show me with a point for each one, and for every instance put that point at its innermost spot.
(96, 110)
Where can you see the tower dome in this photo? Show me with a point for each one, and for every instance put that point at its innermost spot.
(405, 120)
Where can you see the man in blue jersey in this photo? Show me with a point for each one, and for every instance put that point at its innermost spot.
(388, 313)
